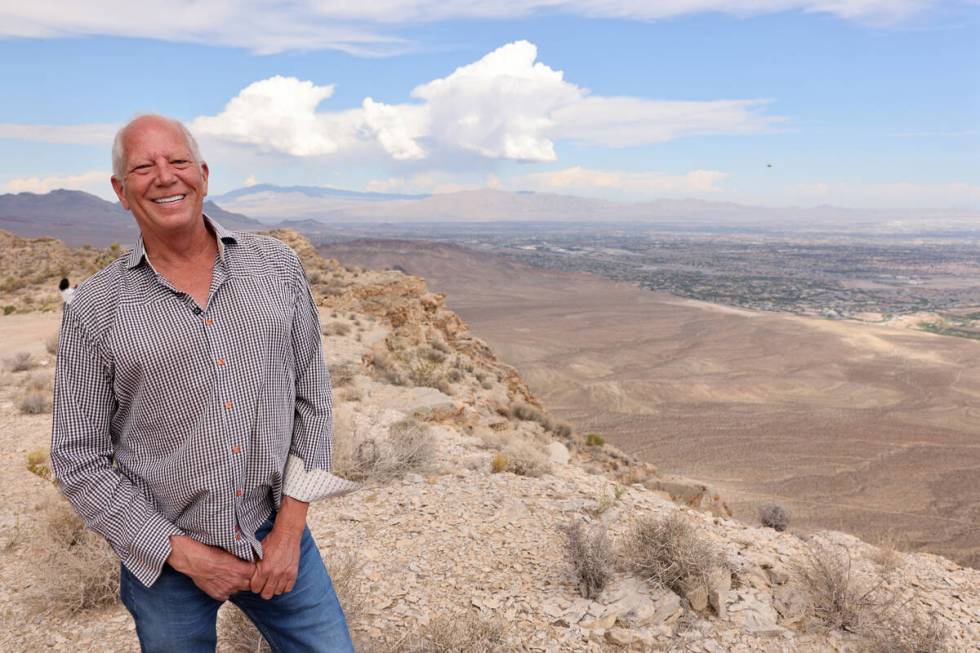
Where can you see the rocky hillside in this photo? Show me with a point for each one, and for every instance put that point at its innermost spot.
(483, 524)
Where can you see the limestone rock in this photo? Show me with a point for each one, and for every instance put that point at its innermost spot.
(557, 453)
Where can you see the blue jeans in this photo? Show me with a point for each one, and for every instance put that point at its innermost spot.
(175, 616)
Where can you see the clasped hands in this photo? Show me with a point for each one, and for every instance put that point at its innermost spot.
(220, 574)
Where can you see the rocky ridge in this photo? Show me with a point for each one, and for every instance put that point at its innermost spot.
(459, 535)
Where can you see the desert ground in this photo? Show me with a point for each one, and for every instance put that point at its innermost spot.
(870, 429)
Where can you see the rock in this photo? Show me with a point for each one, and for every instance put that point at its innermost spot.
(790, 603)
(557, 453)
(696, 594)
(605, 623)
(719, 585)
(754, 615)
(619, 636)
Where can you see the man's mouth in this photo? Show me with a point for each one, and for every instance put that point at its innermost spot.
(169, 200)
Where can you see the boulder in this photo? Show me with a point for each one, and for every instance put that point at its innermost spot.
(557, 453)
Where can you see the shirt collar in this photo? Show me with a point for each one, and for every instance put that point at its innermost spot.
(138, 253)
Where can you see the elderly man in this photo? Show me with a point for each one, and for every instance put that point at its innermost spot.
(192, 419)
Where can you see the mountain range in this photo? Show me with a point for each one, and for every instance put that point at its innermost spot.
(80, 218)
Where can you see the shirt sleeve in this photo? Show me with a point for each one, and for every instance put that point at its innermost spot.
(307, 475)
(82, 458)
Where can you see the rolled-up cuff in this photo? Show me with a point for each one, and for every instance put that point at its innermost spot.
(150, 548)
(314, 484)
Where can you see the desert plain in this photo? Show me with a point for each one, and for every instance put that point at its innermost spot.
(872, 429)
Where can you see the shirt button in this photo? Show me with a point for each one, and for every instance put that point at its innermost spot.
(221, 361)
(208, 322)
(238, 536)
(197, 311)
(238, 492)
(228, 405)
(236, 449)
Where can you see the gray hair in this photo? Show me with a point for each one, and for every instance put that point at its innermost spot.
(118, 150)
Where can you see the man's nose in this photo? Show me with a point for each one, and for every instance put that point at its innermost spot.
(165, 172)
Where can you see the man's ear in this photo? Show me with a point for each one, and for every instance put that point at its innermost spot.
(204, 175)
(118, 187)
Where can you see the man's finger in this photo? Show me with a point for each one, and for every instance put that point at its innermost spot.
(259, 579)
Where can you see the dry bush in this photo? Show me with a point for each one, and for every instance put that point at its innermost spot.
(522, 458)
(594, 440)
(385, 367)
(774, 517)
(336, 329)
(51, 344)
(39, 463)
(34, 403)
(591, 554)
(888, 553)
(908, 634)
(351, 393)
(237, 633)
(838, 596)
(498, 463)
(456, 633)
(37, 382)
(408, 447)
(670, 552)
(20, 362)
(74, 567)
(342, 375)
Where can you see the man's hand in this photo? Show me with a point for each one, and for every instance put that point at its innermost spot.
(276, 572)
(216, 572)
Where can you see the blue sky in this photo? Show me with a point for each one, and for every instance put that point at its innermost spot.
(865, 103)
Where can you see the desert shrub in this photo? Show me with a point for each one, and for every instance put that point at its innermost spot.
(526, 413)
(39, 463)
(37, 382)
(9, 309)
(486, 385)
(34, 403)
(336, 329)
(670, 552)
(888, 553)
(440, 346)
(385, 367)
(561, 429)
(594, 440)
(432, 354)
(75, 568)
(454, 376)
(314, 277)
(838, 596)
(908, 634)
(466, 632)
(351, 393)
(522, 458)
(591, 555)
(408, 447)
(341, 375)
(51, 344)
(20, 362)
(774, 517)
(498, 463)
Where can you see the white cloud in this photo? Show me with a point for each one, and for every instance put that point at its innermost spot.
(250, 181)
(506, 105)
(279, 114)
(268, 26)
(94, 181)
(645, 184)
(431, 183)
(90, 134)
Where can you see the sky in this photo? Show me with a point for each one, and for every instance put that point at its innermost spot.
(856, 103)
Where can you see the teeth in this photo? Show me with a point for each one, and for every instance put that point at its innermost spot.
(168, 200)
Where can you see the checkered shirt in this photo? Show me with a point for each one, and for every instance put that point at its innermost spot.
(177, 419)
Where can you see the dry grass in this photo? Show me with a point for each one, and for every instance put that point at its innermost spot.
(670, 552)
(839, 597)
(20, 362)
(466, 632)
(342, 375)
(75, 568)
(774, 517)
(909, 634)
(336, 329)
(34, 403)
(521, 458)
(39, 463)
(51, 344)
(594, 440)
(889, 554)
(408, 447)
(591, 555)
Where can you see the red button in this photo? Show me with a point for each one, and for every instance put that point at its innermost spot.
(228, 405)
(238, 536)
(238, 492)
(236, 449)
(208, 322)
(221, 361)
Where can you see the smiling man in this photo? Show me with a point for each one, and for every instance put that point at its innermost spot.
(192, 418)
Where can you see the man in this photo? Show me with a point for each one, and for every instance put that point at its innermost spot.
(192, 417)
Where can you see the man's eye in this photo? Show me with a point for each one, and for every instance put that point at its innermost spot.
(180, 162)
(141, 168)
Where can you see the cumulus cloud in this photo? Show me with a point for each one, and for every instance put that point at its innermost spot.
(360, 28)
(94, 181)
(507, 105)
(620, 183)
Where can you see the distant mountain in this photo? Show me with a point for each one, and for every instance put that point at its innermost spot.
(313, 191)
(79, 218)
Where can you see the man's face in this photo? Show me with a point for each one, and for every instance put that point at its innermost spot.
(163, 185)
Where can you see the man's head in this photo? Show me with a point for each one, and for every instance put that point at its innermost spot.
(158, 174)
